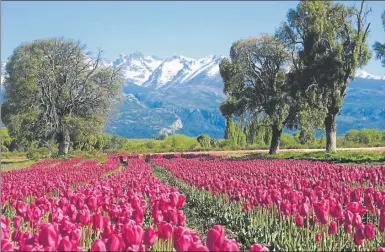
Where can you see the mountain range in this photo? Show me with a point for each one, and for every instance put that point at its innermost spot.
(181, 95)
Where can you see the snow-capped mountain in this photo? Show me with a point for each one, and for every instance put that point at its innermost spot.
(365, 75)
(135, 67)
(181, 70)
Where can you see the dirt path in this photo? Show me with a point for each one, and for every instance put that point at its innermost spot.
(375, 149)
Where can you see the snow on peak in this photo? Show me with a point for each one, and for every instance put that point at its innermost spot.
(180, 70)
(135, 67)
(365, 75)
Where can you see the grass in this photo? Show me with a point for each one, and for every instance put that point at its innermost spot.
(343, 157)
(15, 164)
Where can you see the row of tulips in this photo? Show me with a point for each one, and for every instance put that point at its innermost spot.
(41, 179)
(313, 205)
(130, 210)
(207, 156)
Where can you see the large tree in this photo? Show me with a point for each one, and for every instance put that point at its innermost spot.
(378, 47)
(52, 86)
(329, 42)
(255, 83)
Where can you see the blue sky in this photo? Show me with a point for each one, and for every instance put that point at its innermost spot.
(163, 29)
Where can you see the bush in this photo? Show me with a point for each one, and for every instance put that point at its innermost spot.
(204, 140)
(287, 140)
(179, 142)
(39, 153)
(214, 143)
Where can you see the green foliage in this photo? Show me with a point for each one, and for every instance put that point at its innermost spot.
(180, 142)
(160, 136)
(378, 47)
(214, 143)
(287, 140)
(305, 136)
(5, 140)
(204, 140)
(330, 43)
(235, 134)
(365, 136)
(39, 153)
(340, 157)
(53, 90)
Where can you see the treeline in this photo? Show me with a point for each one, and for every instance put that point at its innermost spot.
(238, 139)
(296, 78)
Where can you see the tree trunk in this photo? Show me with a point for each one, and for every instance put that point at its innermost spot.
(275, 140)
(331, 133)
(64, 143)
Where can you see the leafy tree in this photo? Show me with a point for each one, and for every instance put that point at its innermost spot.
(255, 82)
(380, 48)
(230, 128)
(214, 143)
(204, 140)
(5, 140)
(305, 136)
(240, 137)
(352, 136)
(52, 83)
(328, 43)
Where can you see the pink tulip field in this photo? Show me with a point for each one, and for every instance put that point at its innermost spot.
(192, 203)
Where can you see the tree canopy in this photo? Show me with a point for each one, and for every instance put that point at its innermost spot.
(328, 43)
(380, 48)
(53, 86)
(255, 82)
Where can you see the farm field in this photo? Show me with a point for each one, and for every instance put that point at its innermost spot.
(192, 202)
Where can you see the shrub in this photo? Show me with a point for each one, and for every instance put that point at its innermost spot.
(39, 153)
(204, 140)
(214, 143)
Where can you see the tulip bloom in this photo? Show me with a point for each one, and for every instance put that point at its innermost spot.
(48, 236)
(21, 208)
(17, 235)
(258, 248)
(98, 246)
(199, 247)
(6, 245)
(76, 237)
(133, 234)
(348, 217)
(321, 210)
(359, 235)
(318, 237)
(65, 244)
(17, 221)
(299, 220)
(357, 220)
(369, 231)
(164, 230)
(97, 221)
(182, 239)
(181, 201)
(304, 209)
(113, 243)
(347, 228)
(229, 245)
(215, 237)
(150, 237)
(333, 227)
